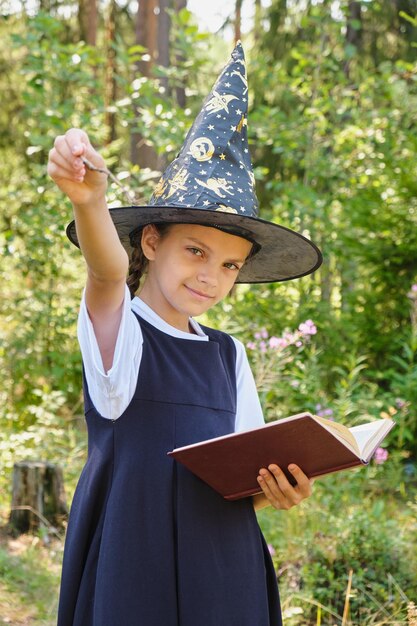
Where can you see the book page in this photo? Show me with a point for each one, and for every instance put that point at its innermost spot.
(341, 432)
(369, 435)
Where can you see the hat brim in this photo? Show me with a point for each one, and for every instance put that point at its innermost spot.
(283, 255)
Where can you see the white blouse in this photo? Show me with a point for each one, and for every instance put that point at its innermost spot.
(112, 392)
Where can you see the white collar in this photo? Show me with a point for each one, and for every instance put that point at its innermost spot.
(149, 315)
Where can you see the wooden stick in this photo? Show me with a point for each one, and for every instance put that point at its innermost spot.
(347, 599)
(103, 170)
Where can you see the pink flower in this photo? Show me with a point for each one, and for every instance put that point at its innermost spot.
(273, 342)
(307, 328)
(414, 288)
(380, 456)
(251, 345)
(276, 342)
(289, 337)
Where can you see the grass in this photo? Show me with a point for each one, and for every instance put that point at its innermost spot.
(29, 580)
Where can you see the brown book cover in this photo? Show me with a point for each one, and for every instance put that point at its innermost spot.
(231, 464)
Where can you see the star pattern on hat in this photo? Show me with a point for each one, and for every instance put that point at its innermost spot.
(217, 141)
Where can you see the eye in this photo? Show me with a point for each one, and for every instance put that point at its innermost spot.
(232, 266)
(195, 251)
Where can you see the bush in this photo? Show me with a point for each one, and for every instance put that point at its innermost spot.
(317, 545)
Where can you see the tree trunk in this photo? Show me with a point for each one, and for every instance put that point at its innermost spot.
(164, 26)
(87, 21)
(405, 31)
(348, 271)
(145, 35)
(164, 29)
(110, 80)
(38, 497)
(238, 20)
(179, 5)
(257, 26)
(326, 286)
(353, 30)
(180, 91)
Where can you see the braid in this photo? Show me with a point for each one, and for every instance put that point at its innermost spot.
(138, 261)
(137, 266)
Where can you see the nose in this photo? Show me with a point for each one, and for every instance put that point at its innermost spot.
(207, 275)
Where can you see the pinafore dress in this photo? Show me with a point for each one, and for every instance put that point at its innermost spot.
(148, 543)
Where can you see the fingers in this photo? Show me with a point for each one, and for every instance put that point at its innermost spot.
(66, 167)
(304, 484)
(73, 145)
(65, 157)
(277, 488)
(61, 164)
(75, 142)
(68, 151)
(76, 145)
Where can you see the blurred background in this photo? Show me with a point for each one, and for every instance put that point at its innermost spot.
(332, 131)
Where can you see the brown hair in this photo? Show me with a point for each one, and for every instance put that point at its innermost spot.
(138, 261)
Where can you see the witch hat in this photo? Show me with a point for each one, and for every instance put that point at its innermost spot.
(211, 183)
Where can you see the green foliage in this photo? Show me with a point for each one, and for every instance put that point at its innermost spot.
(41, 282)
(316, 548)
(335, 149)
(62, 87)
(38, 350)
(373, 549)
(332, 133)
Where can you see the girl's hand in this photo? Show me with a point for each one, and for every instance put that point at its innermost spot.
(277, 490)
(66, 168)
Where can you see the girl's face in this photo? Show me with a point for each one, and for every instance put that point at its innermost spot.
(191, 268)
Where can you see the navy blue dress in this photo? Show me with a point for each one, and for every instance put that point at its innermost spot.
(148, 543)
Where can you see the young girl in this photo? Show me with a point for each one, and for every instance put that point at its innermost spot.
(148, 543)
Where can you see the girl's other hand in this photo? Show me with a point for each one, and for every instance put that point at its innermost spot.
(66, 168)
(278, 491)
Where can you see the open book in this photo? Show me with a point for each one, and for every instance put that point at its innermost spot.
(231, 464)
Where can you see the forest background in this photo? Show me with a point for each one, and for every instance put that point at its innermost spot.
(332, 130)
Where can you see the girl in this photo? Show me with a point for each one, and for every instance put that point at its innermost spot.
(149, 544)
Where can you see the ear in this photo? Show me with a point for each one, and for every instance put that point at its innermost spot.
(149, 241)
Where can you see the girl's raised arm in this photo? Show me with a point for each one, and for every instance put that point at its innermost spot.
(107, 261)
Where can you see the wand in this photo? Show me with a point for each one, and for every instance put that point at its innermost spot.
(103, 170)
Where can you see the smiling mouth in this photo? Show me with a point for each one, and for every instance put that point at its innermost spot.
(199, 294)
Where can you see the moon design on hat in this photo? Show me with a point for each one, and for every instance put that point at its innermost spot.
(211, 182)
(202, 149)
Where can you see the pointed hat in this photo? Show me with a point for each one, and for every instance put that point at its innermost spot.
(211, 183)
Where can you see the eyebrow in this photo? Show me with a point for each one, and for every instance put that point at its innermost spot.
(201, 244)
